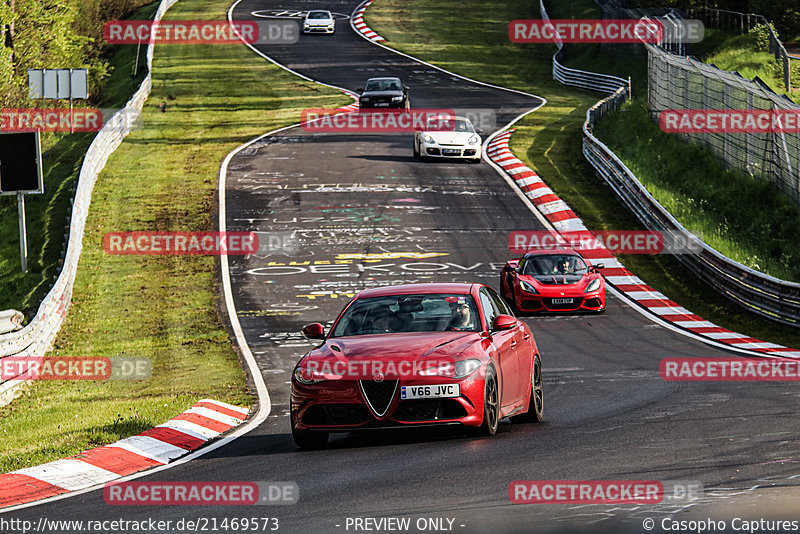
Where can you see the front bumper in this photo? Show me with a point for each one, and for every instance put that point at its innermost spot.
(589, 302)
(451, 152)
(382, 105)
(341, 406)
(319, 29)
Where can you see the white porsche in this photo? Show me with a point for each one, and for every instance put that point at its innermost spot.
(452, 137)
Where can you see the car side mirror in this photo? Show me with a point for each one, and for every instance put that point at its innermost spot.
(314, 331)
(599, 266)
(479, 131)
(407, 88)
(359, 91)
(504, 322)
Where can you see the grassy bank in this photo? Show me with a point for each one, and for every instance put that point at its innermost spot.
(46, 215)
(473, 41)
(745, 218)
(163, 177)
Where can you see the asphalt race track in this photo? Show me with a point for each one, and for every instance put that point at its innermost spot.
(342, 212)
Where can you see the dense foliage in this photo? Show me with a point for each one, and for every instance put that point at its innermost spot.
(54, 34)
(784, 14)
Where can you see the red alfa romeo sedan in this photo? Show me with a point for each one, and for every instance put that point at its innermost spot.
(417, 355)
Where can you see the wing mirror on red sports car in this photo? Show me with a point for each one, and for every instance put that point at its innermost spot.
(314, 331)
(503, 322)
(599, 266)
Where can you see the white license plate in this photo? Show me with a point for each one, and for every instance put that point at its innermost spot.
(563, 301)
(439, 391)
(381, 104)
(450, 152)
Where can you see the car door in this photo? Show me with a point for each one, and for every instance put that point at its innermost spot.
(504, 343)
(521, 346)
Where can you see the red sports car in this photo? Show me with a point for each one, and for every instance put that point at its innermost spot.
(553, 280)
(415, 355)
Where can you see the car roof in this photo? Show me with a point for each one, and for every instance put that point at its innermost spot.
(384, 78)
(551, 252)
(415, 289)
(448, 117)
(319, 11)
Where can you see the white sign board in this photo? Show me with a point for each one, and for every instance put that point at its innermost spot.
(58, 83)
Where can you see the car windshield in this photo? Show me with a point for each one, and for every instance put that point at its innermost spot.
(448, 124)
(383, 85)
(319, 15)
(554, 264)
(409, 313)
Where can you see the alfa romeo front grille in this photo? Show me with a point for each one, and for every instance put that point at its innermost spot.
(379, 395)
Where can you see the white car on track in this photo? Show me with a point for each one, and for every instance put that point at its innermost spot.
(448, 137)
(319, 21)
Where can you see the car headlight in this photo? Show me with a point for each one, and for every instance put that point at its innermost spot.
(528, 287)
(428, 139)
(397, 99)
(594, 285)
(474, 139)
(458, 369)
(298, 375)
(306, 25)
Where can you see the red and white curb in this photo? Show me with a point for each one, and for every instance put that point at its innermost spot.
(558, 213)
(361, 26)
(182, 434)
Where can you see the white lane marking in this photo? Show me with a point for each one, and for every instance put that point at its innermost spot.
(184, 426)
(216, 416)
(640, 295)
(69, 474)
(698, 324)
(231, 407)
(528, 180)
(669, 310)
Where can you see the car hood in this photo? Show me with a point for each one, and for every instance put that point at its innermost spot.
(450, 138)
(318, 22)
(557, 279)
(377, 94)
(410, 346)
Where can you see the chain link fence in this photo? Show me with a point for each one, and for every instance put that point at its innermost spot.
(736, 22)
(684, 83)
(669, 17)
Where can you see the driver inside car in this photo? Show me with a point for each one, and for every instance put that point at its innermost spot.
(461, 316)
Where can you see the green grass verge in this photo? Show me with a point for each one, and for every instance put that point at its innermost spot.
(745, 218)
(472, 40)
(46, 215)
(163, 177)
(745, 55)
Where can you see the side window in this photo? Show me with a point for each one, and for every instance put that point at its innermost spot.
(500, 304)
(490, 310)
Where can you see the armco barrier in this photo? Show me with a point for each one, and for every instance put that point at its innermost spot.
(765, 295)
(10, 320)
(578, 78)
(38, 335)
